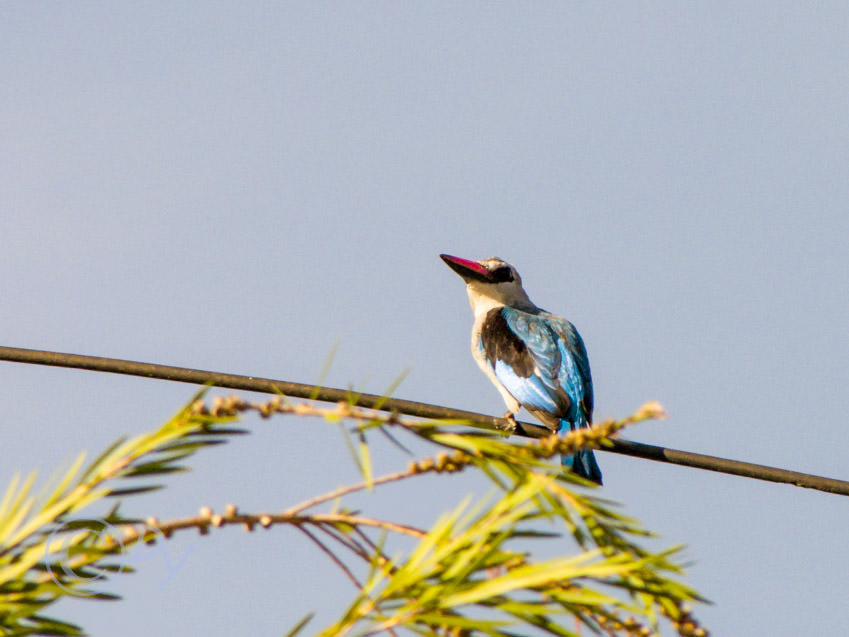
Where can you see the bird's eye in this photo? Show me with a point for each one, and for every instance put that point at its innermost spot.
(502, 275)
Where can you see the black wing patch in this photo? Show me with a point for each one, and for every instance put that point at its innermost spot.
(500, 343)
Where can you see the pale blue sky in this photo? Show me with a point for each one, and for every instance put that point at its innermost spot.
(239, 186)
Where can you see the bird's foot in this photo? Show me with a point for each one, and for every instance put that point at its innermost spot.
(510, 417)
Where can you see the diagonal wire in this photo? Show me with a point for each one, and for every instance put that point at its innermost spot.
(412, 408)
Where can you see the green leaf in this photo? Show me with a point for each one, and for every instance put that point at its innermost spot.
(392, 387)
(365, 463)
(325, 370)
(300, 625)
(120, 493)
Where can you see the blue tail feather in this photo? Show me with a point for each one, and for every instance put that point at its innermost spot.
(582, 463)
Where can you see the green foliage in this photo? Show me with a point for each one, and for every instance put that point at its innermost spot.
(470, 573)
(474, 571)
(44, 554)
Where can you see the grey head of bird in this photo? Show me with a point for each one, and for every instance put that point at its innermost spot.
(490, 283)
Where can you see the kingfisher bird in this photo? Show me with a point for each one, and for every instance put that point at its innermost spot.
(535, 359)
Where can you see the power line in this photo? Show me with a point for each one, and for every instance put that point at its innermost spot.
(412, 408)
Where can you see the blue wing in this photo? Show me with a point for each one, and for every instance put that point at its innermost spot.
(541, 360)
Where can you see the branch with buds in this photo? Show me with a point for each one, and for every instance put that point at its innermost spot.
(470, 566)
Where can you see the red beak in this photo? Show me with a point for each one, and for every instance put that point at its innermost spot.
(467, 269)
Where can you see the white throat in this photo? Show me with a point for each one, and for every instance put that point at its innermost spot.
(484, 297)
